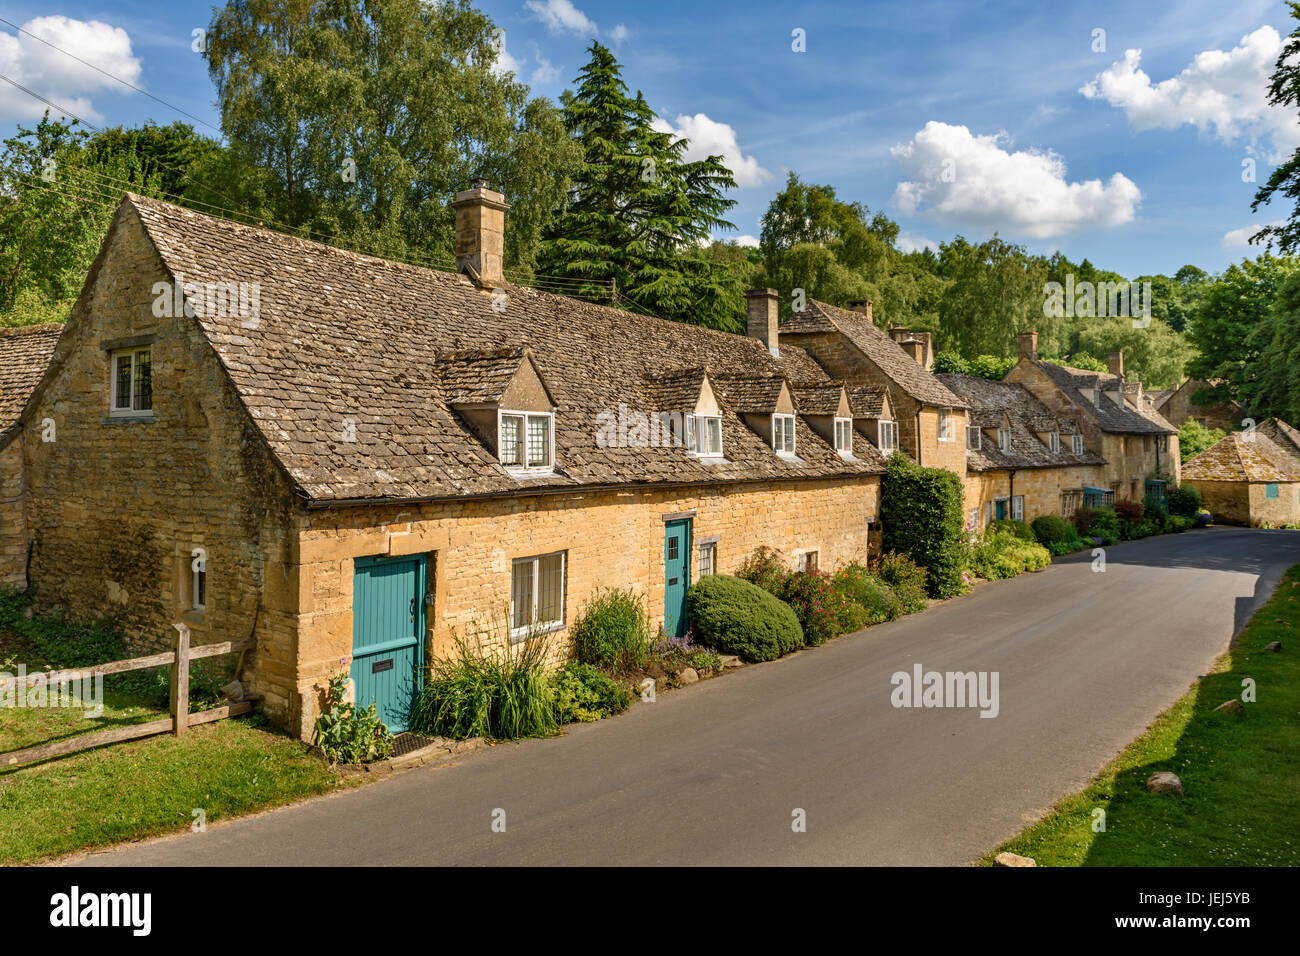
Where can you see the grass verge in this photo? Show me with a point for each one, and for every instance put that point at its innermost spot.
(1240, 771)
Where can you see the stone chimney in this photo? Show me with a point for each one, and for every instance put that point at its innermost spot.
(761, 307)
(863, 306)
(1134, 393)
(1115, 359)
(481, 235)
(1028, 345)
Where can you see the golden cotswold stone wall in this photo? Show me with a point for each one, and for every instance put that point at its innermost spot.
(1247, 503)
(612, 539)
(13, 516)
(1178, 408)
(115, 509)
(1041, 488)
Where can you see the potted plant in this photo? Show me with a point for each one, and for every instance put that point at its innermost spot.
(1203, 518)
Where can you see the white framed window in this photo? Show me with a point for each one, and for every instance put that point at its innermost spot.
(945, 425)
(1018, 507)
(844, 436)
(888, 434)
(131, 382)
(1054, 442)
(1076, 444)
(973, 437)
(704, 435)
(1004, 441)
(708, 557)
(809, 561)
(1070, 503)
(783, 434)
(537, 595)
(525, 439)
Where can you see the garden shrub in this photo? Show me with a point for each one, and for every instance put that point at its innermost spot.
(346, 734)
(586, 693)
(497, 696)
(613, 631)
(1013, 526)
(816, 603)
(1105, 525)
(921, 509)
(1130, 511)
(867, 599)
(1052, 529)
(904, 578)
(737, 617)
(766, 569)
(1083, 519)
(673, 653)
(998, 554)
(1185, 500)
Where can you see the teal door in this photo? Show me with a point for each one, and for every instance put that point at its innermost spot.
(388, 635)
(677, 575)
(1000, 508)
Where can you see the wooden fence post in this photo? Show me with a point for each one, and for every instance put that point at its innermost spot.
(180, 683)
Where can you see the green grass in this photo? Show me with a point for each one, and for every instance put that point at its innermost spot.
(142, 788)
(1240, 772)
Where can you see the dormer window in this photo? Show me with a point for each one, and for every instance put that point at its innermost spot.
(131, 389)
(1076, 444)
(844, 436)
(1054, 442)
(973, 437)
(1004, 441)
(783, 434)
(526, 440)
(704, 435)
(888, 432)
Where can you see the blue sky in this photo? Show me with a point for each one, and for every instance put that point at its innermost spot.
(951, 117)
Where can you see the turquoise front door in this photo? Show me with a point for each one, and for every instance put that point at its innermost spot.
(677, 575)
(388, 635)
(1000, 506)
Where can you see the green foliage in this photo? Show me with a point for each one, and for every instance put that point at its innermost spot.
(1014, 527)
(737, 617)
(766, 569)
(996, 290)
(907, 579)
(613, 631)
(922, 513)
(585, 693)
(867, 599)
(1053, 529)
(1194, 438)
(1184, 500)
(346, 734)
(1155, 354)
(1105, 524)
(998, 554)
(817, 604)
(504, 695)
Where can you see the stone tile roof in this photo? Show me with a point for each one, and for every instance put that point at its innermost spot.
(867, 401)
(477, 378)
(751, 394)
(1006, 404)
(1239, 457)
(1282, 435)
(343, 336)
(876, 344)
(1126, 418)
(818, 398)
(25, 354)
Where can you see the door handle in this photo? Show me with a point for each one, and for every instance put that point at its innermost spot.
(412, 610)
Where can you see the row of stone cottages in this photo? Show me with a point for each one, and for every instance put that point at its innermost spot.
(364, 459)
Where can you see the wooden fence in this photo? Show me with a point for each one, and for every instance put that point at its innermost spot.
(180, 720)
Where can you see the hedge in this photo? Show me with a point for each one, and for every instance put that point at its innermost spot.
(736, 617)
(921, 509)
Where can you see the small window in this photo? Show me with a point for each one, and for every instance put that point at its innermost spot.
(844, 436)
(1069, 504)
(783, 434)
(1004, 440)
(708, 558)
(945, 425)
(1018, 508)
(888, 437)
(1076, 444)
(537, 595)
(524, 440)
(1270, 490)
(132, 385)
(973, 436)
(810, 561)
(1054, 442)
(198, 579)
(704, 435)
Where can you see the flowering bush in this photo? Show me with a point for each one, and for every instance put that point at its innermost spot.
(817, 604)
(867, 599)
(1130, 511)
(766, 568)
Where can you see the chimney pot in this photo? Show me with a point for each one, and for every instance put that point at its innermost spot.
(1115, 360)
(480, 235)
(1027, 343)
(861, 305)
(762, 307)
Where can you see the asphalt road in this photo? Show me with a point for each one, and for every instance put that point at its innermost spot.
(713, 773)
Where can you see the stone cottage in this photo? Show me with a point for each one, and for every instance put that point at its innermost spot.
(1140, 447)
(1177, 407)
(357, 462)
(1247, 478)
(1023, 461)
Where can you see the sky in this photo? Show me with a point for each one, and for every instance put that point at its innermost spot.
(1131, 133)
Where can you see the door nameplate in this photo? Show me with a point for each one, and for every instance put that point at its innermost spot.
(379, 667)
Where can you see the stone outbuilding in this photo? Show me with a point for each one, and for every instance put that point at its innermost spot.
(1247, 478)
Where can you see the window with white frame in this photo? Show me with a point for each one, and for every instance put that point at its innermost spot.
(704, 435)
(1004, 440)
(888, 434)
(973, 437)
(1070, 503)
(131, 389)
(1018, 508)
(844, 436)
(1054, 442)
(945, 425)
(525, 439)
(783, 434)
(708, 557)
(537, 595)
(1076, 444)
(809, 561)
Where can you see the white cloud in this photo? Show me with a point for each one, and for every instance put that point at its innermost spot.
(505, 63)
(561, 16)
(619, 33)
(959, 178)
(1220, 92)
(908, 243)
(546, 72)
(1240, 238)
(58, 76)
(746, 240)
(711, 138)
